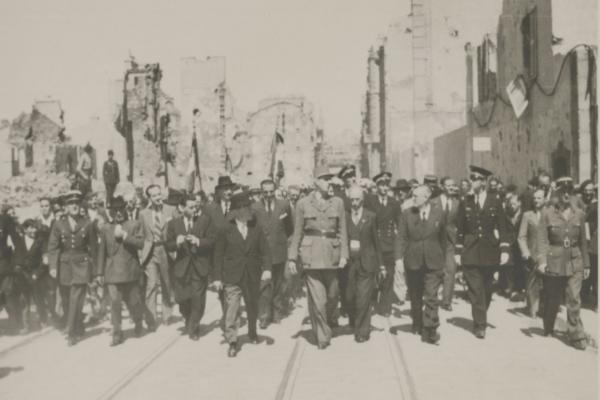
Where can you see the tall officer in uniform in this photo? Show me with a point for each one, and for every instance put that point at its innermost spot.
(72, 242)
(387, 211)
(564, 260)
(321, 239)
(481, 244)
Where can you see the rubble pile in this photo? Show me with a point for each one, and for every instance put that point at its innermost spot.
(26, 189)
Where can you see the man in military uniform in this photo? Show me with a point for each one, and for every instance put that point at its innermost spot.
(321, 240)
(564, 260)
(70, 248)
(387, 212)
(348, 175)
(481, 244)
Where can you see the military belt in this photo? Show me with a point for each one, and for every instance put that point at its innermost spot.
(567, 244)
(320, 233)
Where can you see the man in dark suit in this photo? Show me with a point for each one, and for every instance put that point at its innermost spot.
(118, 266)
(387, 211)
(44, 286)
(191, 237)
(242, 260)
(481, 244)
(514, 271)
(111, 176)
(364, 266)
(448, 203)
(275, 217)
(420, 248)
(348, 175)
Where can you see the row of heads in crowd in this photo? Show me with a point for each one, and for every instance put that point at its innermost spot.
(332, 184)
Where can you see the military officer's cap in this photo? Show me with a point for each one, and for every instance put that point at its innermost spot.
(430, 180)
(348, 171)
(382, 177)
(255, 190)
(240, 200)
(479, 171)
(402, 185)
(72, 196)
(564, 184)
(117, 203)
(322, 172)
(336, 181)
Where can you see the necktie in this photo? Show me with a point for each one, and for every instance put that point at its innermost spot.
(355, 218)
(157, 228)
(269, 210)
(423, 215)
(447, 205)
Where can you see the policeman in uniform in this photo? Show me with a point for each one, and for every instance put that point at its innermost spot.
(564, 260)
(481, 244)
(387, 212)
(72, 242)
(321, 240)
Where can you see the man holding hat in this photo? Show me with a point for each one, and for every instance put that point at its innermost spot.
(242, 259)
(321, 240)
(191, 237)
(481, 244)
(564, 260)
(387, 212)
(119, 266)
(72, 242)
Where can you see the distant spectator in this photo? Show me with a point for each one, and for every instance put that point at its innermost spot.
(111, 176)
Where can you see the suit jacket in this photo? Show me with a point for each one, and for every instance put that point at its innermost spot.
(7, 231)
(147, 230)
(110, 172)
(236, 258)
(513, 235)
(277, 227)
(386, 219)
(481, 232)
(29, 259)
(118, 259)
(215, 212)
(190, 256)
(422, 243)
(527, 238)
(369, 255)
(450, 216)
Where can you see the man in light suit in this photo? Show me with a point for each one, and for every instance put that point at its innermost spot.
(448, 203)
(274, 217)
(528, 243)
(119, 268)
(154, 258)
(191, 237)
(421, 247)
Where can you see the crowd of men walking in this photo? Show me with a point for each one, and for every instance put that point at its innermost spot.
(359, 246)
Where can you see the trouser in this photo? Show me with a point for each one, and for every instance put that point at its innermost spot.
(359, 298)
(479, 282)
(249, 289)
(386, 287)
(589, 289)
(554, 287)
(110, 192)
(158, 279)
(449, 277)
(513, 277)
(44, 297)
(12, 293)
(323, 292)
(343, 282)
(424, 283)
(192, 308)
(534, 291)
(73, 297)
(273, 295)
(129, 293)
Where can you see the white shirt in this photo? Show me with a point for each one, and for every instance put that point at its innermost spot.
(225, 207)
(357, 215)
(187, 223)
(424, 212)
(242, 227)
(481, 198)
(47, 221)
(28, 242)
(446, 202)
(383, 200)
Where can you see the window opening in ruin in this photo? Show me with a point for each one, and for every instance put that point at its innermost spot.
(530, 44)
(486, 70)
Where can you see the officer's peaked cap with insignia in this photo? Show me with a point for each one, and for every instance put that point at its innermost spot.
(382, 177)
(348, 171)
(479, 171)
(564, 184)
(430, 179)
(72, 196)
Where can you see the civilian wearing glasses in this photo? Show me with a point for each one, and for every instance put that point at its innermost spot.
(481, 244)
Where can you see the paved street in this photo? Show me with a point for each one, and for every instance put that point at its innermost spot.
(513, 360)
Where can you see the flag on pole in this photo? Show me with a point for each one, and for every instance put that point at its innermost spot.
(276, 163)
(193, 169)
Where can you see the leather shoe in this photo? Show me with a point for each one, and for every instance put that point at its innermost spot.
(361, 339)
(253, 339)
(334, 324)
(322, 346)
(138, 331)
(548, 333)
(117, 339)
(431, 337)
(232, 351)
(195, 334)
(71, 341)
(580, 344)
(152, 326)
(480, 333)
(263, 325)
(447, 307)
(417, 330)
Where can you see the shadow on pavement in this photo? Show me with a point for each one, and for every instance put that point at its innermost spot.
(519, 311)
(465, 323)
(5, 371)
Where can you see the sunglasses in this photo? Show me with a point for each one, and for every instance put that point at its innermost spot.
(476, 177)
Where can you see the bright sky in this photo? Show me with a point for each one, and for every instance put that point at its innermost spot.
(71, 50)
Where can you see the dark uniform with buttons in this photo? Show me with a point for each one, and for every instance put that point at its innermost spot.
(480, 239)
(563, 248)
(70, 250)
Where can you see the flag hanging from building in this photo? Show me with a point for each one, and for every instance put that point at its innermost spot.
(276, 170)
(193, 169)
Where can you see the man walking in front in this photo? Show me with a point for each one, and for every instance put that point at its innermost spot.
(321, 240)
(481, 244)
